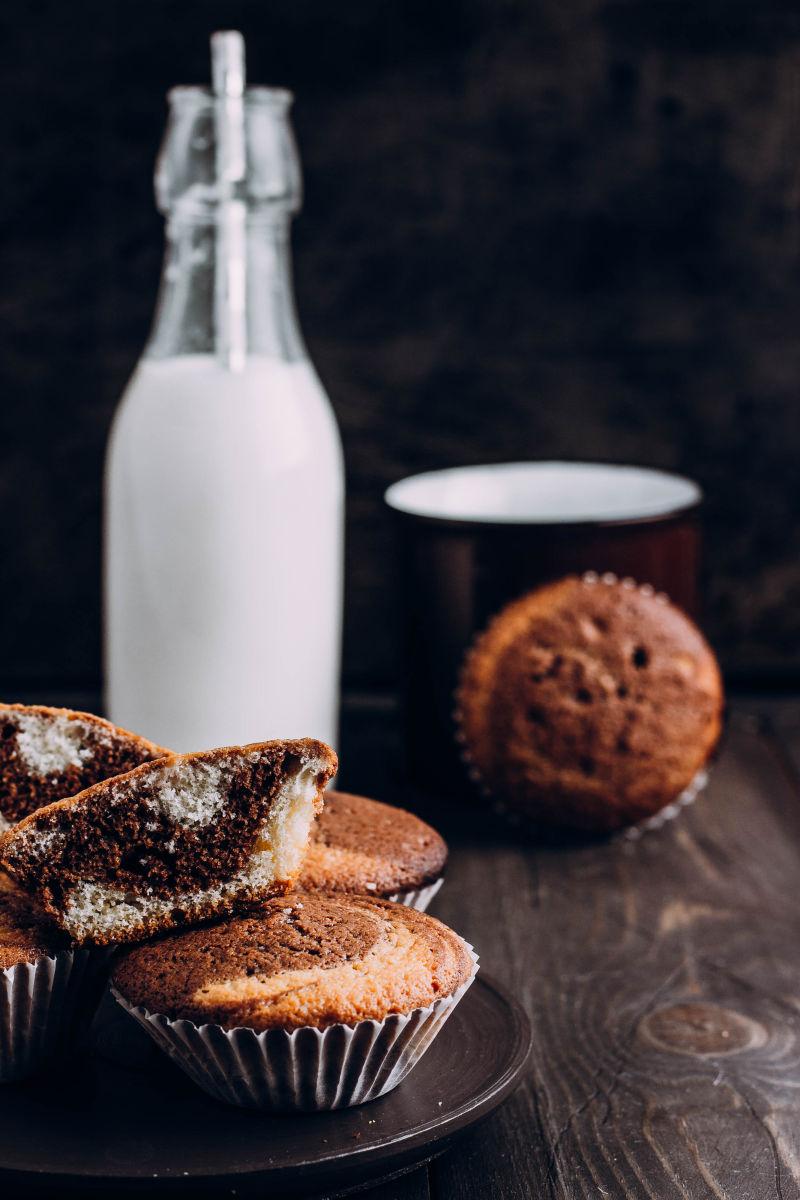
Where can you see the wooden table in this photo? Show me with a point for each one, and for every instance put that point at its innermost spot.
(662, 977)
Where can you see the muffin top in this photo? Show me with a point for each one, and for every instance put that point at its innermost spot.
(25, 931)
(302, 960)
(589, 703)
(49, 753)
(361, 845)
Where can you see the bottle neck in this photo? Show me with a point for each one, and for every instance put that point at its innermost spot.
(226, 290)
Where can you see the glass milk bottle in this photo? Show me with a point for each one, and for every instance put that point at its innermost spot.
(224, 476)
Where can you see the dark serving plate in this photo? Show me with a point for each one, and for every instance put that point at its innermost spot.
(121, 1118)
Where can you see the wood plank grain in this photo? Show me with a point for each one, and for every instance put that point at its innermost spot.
(781, 716)
(663, 980)
(506, 1157)
(413, 1186)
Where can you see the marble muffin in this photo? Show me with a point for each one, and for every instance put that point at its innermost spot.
(184, 838)
(363, 846)
(589, 704)
(47, 754)
(303, 960)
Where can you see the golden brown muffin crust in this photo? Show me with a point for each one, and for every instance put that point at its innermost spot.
(361, 845)
(26, 933)
(47, 754)
(304, 960)
(589, 703)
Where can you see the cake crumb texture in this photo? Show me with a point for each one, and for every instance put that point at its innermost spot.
(179, 839)
(303, 960)
(47, 754)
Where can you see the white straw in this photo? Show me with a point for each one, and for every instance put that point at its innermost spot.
(228, 79)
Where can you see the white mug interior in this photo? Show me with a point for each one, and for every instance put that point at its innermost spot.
(545, 493)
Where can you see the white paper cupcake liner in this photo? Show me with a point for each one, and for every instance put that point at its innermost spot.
(307, 1070)
(418, 898)
(42, 1007)
(670, 812)
(630, 833)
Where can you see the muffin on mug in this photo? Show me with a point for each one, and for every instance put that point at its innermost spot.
(589, 704)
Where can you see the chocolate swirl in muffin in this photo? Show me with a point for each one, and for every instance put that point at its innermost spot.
(173, 841)
(47, 754)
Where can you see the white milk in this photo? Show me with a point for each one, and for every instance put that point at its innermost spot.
(224, 495)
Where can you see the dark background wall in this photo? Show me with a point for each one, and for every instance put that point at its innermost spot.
(557, 229)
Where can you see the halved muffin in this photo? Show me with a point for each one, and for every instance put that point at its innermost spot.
(47, 754)
(178, 840)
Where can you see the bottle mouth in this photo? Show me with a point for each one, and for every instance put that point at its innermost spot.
(228, 147)
(190, 96)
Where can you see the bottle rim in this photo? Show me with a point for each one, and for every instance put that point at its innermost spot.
(254, 97)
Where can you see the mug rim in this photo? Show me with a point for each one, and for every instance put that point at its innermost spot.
(689, 498)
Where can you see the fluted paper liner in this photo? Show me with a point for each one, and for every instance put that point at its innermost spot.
(670, 811)
(418, 898)
(308, 1069)
(42, 1006)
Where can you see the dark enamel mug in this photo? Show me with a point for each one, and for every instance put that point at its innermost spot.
(470, 539)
